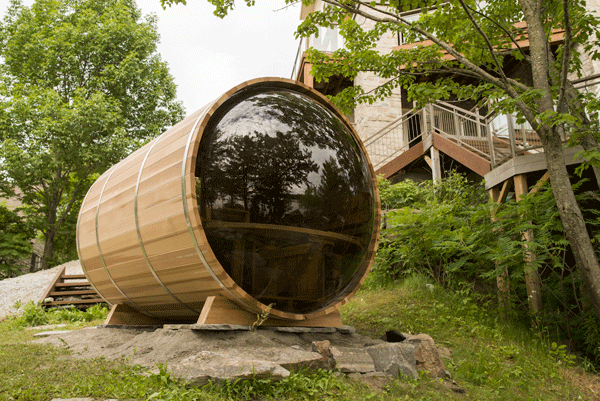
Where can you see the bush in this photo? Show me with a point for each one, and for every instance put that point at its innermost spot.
(15, 245)
(34, 314)
(446, 232)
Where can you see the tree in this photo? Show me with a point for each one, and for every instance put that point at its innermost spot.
(15, 245)
(81, 87)
(479, 37)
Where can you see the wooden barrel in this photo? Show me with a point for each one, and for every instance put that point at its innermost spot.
(265, 196)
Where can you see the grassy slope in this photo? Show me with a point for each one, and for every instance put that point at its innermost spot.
(488, 359)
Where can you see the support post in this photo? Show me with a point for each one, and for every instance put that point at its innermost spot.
(498, 196)
(456, 128)
(511, 135)
(220, 310)
(121, 314)
(490, 136)
(532, 278)
(436, 170)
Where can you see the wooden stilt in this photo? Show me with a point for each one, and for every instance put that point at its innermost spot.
(502, 281)
(436, 170)
(532, 278)
(220, 310)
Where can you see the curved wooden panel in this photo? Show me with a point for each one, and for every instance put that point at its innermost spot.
(142, 241)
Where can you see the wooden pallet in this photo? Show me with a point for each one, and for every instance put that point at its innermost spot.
(70, 289)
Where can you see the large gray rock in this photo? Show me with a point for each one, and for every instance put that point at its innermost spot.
(394, 359)
(352, 360)
(427, 357)
(208, 366)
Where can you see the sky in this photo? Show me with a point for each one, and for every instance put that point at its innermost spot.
(207, 56)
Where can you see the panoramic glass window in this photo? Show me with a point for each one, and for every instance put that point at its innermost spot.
(285, 197)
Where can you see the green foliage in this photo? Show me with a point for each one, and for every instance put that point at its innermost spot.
(82, 86)
(488, 356)
(35, 315)
(448, 234)
(443, 233)
(403, 194)
(15, 245)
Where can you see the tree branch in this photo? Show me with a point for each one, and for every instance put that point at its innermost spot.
(485, 38)
(566, 53)
(480, 72)
(506, 31)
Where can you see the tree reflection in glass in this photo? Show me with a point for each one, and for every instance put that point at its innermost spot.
(285, 197)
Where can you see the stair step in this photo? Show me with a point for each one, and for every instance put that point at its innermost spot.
(70, 293)
(73, 276)
(75, 302)
(79, 284)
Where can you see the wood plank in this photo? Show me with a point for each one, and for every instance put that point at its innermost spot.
(121, 314)
(70, 293)
(73, 276)
(52, 286)
(76, 302)
(526, 164)
(401, 161)
(69, 285)
(462, 155)
(220, 310)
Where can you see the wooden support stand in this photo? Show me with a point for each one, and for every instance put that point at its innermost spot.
(220, 310)
(121, 314)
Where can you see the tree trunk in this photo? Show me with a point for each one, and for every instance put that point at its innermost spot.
(48, 248)
(568, 209)
(572, 218)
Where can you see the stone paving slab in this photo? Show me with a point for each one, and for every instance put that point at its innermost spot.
(51, 333)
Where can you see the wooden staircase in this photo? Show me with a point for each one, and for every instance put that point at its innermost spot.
(467, 137)
(70, 289)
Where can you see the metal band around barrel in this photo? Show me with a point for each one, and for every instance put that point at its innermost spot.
(79, 249)
(100, 250)
(187, 213)
(139, 235)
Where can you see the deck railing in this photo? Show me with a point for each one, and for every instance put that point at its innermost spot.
(496, 138)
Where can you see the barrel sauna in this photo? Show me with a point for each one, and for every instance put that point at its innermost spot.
(265, 198)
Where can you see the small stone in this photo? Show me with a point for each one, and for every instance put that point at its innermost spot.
(296, 347)
(346, 330)
(324, 349)
(51, 333)
(291, 329)
(46, 327)
(427, 357)
(219, 327)
(325, 330)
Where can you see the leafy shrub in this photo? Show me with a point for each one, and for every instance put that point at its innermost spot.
(35, 315)
(15, 245)
(446, 232)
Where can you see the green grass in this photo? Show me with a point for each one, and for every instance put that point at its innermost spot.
(489, 359)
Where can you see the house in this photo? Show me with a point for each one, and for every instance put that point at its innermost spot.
(419, 143)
